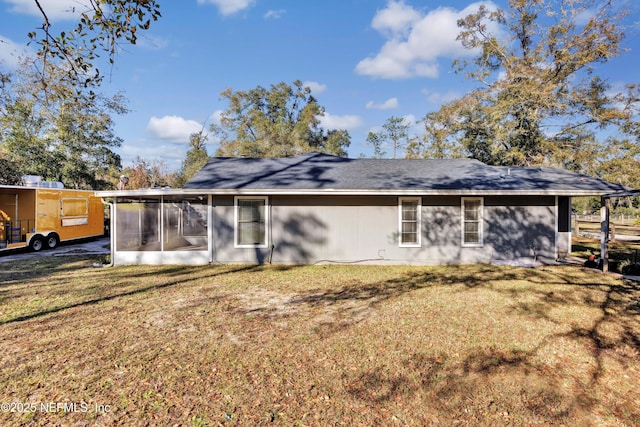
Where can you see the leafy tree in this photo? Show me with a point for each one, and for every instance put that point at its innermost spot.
(334, 141)
(138, 175)
(9, 175)
(622, 165)
(60, 133)
(102, 25)
(437, 141)
(278, 122)
(539, 100)
(377, 140)
(395, 131)
(196, 158)
(143, 174)
(21, 140)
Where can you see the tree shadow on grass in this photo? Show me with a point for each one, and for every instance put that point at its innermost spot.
(13, 272)
(484, 383)
(474, 391)
(552, 391)
(124, 278)
(379, 292)
(449, 381)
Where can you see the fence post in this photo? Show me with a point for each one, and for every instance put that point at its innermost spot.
(604, 233)
(612, 231)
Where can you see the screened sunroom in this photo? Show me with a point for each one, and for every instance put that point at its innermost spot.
(160, 229)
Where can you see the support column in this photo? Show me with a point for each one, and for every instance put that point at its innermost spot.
(210, 228)
(605, 204)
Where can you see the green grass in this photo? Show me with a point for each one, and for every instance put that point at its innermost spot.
(318, 345)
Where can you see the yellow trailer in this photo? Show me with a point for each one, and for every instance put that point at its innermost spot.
(39, 218)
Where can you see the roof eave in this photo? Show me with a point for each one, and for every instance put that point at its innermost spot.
(348, 192)
(627, 193)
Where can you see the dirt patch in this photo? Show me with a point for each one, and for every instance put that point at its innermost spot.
(266, 303)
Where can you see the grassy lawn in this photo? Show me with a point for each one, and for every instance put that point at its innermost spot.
(317, 345)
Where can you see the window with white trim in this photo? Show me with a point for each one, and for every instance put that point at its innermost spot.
(409, 215)
(251, 221)
(472, 214)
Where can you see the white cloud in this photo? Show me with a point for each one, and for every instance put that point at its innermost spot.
(11, 52)
(167, 140)
(216, 116)
(584, 16)
(415, 41)
(55, 9)
(173, 128)
(315, 87)
(347, 122)
(274, 14)
(389, 104)
(440, 98)
(228, 7)
(396, 18)
(415, 126)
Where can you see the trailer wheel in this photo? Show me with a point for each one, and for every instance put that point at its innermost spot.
(37, 243)
(53, 240)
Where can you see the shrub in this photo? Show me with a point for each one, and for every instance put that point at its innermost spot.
(630, 268)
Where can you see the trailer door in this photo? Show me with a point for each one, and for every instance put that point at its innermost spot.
(8, 212)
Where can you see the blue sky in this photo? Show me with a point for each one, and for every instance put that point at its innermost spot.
(365, 60)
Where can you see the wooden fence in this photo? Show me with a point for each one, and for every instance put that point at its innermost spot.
(617, 218)
(619, 225)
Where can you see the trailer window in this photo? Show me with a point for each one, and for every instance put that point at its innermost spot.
(75, 211)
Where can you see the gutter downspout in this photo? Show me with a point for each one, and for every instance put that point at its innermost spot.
(111, 229)
(210, 230)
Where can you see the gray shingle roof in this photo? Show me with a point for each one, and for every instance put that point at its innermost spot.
(317, 171)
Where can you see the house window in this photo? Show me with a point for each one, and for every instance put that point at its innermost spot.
(251, 222)
(472, 221)
(409, 221)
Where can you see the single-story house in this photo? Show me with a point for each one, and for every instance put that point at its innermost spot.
(318, 208)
